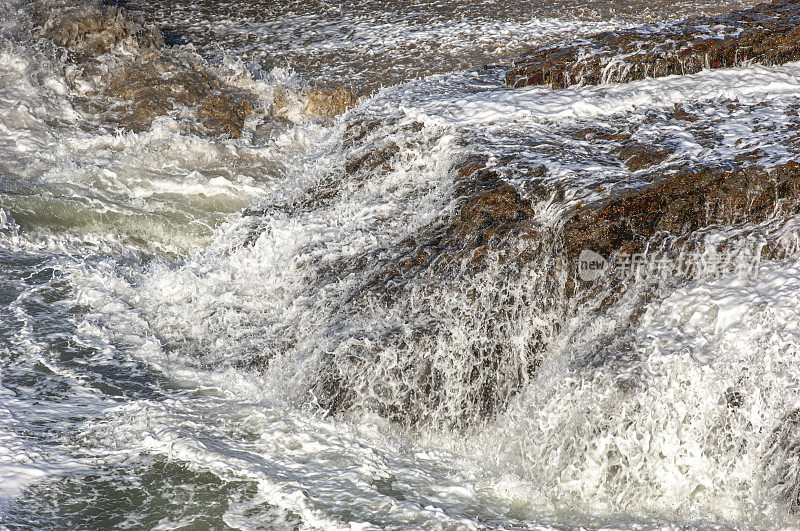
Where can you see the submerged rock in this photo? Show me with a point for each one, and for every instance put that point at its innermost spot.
(94, 29)
(130, 78)
(767, 34)
(490, 236)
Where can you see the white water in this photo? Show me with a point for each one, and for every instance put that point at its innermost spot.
(134, 295)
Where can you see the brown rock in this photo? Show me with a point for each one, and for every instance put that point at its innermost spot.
(312, 104)
(96, 29)
(328, 103)
(681, 204)
(224, 112)
(154, 86)
(637, 156)
(767, 34)
(137, 79)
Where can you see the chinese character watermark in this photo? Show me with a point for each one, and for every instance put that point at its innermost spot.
(593, 266)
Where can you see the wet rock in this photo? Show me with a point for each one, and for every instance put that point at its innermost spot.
(154, 86)
(224, 112)
(328, 103)
(95, 29)
(162, 77)
(681, 114)
(767, 34)
(312, 104)
(637, 155)
(135, 79)
(490, 232)
(681, 204)
(160, 83)
(493, 225)
(489, 211)
(489, 217)
(370, 148)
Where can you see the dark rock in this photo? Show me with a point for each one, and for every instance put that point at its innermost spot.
(767, 34)
(489, 211)
(173, 39)
(681, 204)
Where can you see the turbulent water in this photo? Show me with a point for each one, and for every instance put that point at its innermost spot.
(178, 309)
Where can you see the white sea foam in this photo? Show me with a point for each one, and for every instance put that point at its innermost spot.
(682, 419)
(59, 173)
(750, 85)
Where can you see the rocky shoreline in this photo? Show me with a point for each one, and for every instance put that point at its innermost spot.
(127, 76)
(123, 73)
(746, 194)
(767, 34)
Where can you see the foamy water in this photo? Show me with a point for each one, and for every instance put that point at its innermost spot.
(378, 43)
(168, 301)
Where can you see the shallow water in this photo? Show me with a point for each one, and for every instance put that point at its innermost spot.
(160, 349)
